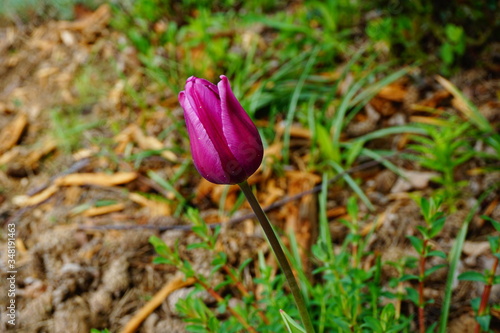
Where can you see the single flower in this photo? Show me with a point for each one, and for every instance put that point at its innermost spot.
(225, 143)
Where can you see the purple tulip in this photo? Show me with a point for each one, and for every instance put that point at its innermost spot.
(225, 144)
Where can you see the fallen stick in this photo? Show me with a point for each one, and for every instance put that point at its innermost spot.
(155, 302)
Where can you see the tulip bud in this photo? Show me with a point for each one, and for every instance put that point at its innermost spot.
(225, 144)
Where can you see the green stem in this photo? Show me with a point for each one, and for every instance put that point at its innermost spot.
(280, 255)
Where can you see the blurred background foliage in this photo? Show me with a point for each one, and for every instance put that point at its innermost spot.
(442, 36)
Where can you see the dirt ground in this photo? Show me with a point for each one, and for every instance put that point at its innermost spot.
(82, 264)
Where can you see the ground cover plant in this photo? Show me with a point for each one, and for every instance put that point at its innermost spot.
(380, 170)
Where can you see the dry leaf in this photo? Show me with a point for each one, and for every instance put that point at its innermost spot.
(295, 131)
(91, 23)
(95, 211)
(383, 106)
(135, 134)
(35, 155)
(157, 208)
(435, 100)
(393, 92)
(10, 155)
(379, 221)
(25, 200)
(99, 179)
(428, 120)
(11, 134)
(414, 180)
(155, 302)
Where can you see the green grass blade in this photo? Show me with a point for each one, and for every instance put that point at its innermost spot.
(368, 93)
(291, 325)
(167, 186)
(338, 120)
(355, 187)
(293, 105)
(384, 161)
(296, 262)
(470, 110)
(324, 230)
(390, 131)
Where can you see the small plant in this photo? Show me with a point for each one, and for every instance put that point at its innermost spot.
(94, 330)
(480, 305)
(343, 296)
(445, 148)
(347, 297)
(434, 223)
(453, 46)
(201, 318)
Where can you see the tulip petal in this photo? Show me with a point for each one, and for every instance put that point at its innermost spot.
(204, 97)
(241, 135)
(205, 101)
(205, 156)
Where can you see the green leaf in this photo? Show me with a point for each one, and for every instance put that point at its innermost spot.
(213, 324)
(353, 152)
(290, 324)
(325, 144)
(160, 247)
(388, 312)
(187, 269)
(408, 277)
(417, 243)
(220, 259)
(425, 208)
(424, 231)
(484, 322)
(352, 208)
(244, 264)
(495, 224)
(494, 243)
(475, 302)
(494, 142)
(472, 276)
(431, 328)
(454, 33)
(437, 226)
(162, 260)
(496, 279)
(341, 323)
(222, 284)
(196, 328)
(372, 324)
(439, 254)
(412, 295)
(198, 246)
(433, 269)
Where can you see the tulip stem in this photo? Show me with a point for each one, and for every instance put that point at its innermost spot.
(280, 255)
